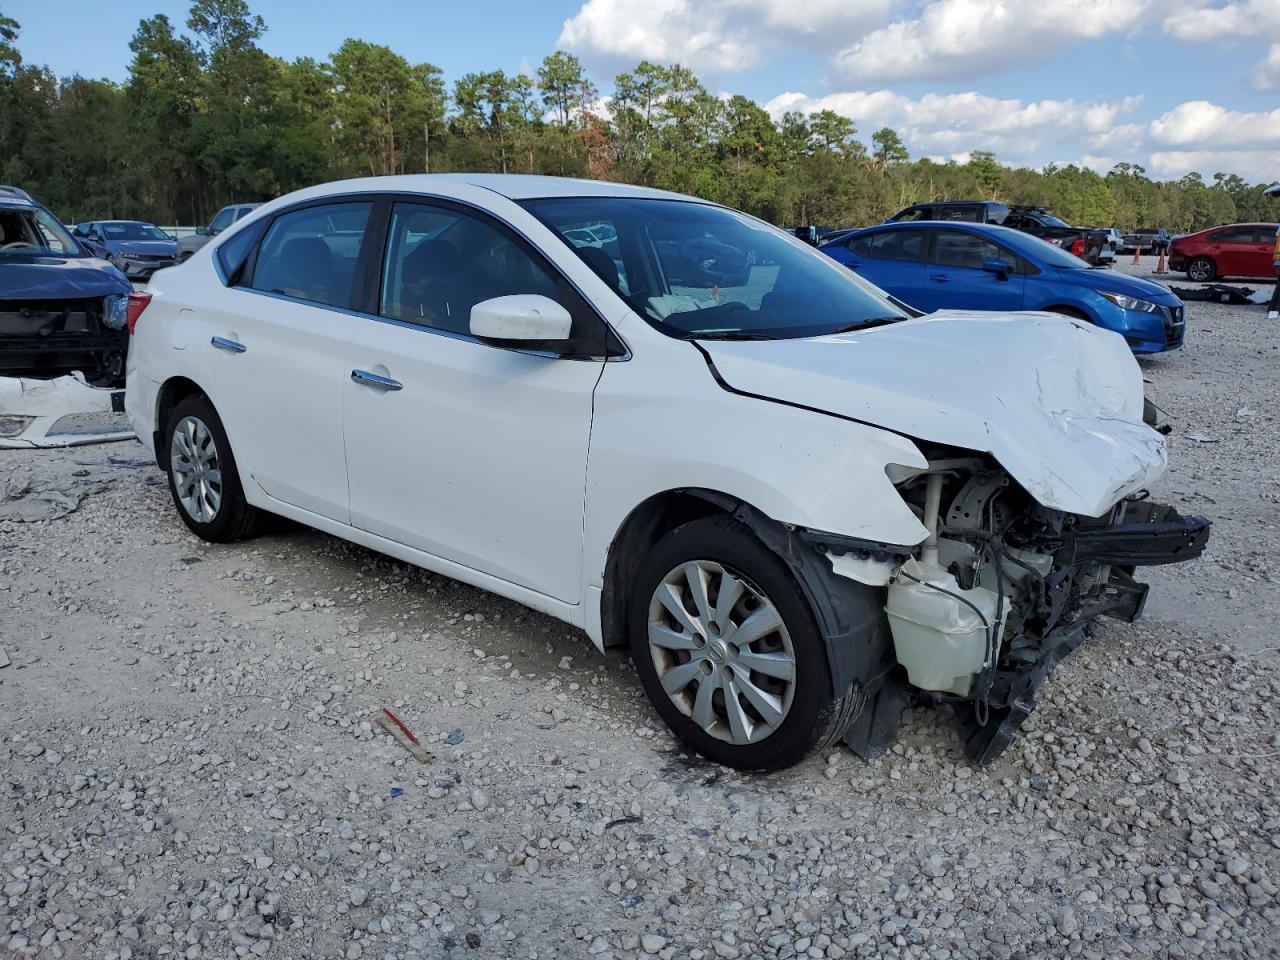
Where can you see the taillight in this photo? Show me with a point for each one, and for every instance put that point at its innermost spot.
(137, 303)
(1077, 247)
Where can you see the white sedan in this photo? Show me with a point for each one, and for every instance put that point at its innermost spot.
(673, 426)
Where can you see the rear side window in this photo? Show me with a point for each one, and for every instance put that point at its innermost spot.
(890, 245)
(311, 253)
(234, 253)
(1235, 235)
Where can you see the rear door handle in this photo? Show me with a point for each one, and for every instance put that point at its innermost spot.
(222, 343)
(940, 277)
(375, 381)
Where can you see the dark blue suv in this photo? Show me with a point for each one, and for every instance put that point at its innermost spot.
(972, 266)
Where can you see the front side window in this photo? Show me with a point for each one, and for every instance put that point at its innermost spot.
(700, 271)
(912, 214)
(224, 219)
(441, 262)
(890, 245)
(311, 253)
(951, 248)
(960, 214)
(26, 230)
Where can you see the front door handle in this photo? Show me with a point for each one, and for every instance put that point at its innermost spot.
(375, 381)
(940, 277)
(222, 343)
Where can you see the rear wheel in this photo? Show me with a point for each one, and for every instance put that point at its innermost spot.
(1201, 270)
(729, 652)
(203, 478)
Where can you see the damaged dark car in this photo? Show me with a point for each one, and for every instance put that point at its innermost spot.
(62, 310)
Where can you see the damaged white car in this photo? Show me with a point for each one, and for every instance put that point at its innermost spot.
(691, 434)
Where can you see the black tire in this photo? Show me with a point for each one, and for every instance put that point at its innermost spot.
(235, 518)
(816, 718)
(1202, 270)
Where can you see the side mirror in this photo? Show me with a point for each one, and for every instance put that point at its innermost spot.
(202, 231)
(1001, 268)
(520, 320)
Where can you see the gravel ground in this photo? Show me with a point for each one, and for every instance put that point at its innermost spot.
(190, 766)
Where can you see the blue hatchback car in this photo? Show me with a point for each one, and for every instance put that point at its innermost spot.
(975, 266)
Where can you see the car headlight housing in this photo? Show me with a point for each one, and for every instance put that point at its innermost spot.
(1131, 303)
(116, 315)
(131, 256)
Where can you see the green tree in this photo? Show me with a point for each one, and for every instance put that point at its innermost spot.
(889, 148)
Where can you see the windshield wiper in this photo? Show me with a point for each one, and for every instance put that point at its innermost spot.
(727, 335)
(869, 323)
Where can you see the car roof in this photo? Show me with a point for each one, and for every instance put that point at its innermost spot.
(513, 186)
(993, 228)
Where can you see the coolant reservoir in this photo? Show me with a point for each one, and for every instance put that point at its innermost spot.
(941, 641)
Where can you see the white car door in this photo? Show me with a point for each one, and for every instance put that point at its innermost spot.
(279, 355)
(471, 452)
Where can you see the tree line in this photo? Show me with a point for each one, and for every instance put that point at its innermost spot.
(206, 117)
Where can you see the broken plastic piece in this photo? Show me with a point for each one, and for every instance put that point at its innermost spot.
(30, 408)
(389, 722)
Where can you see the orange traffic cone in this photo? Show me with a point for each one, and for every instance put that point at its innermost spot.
(1137, 252)
(1160, 264)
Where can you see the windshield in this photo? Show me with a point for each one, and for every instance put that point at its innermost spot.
(132, 231)
(28, 230)
(701, 271)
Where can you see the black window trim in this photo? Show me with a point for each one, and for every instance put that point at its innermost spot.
(367, 280)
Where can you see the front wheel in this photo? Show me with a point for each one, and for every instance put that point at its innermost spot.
(728, 650)
(203, 478)
(1201, 270)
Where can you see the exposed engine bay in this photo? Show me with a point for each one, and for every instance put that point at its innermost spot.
(1002, 589)
(50, 338)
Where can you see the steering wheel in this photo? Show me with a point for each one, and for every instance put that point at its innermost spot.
(16, 243)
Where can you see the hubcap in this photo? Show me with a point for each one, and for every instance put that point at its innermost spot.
(722, 652)
(197, 472)
(1200, 270)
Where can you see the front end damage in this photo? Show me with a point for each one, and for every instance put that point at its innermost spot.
(1000, 591)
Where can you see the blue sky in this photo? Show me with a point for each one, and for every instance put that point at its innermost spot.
(1173, 84)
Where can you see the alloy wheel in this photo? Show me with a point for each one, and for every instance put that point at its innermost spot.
(1200, 270)
(721, 652)
(197, 471)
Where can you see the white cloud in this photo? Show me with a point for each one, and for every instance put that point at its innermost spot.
(1259, 166)
(1200, 21)
(968, 38)
(715, 35)
(1198, 123)
(1208, 21)
(949, 124)
(1268, 75)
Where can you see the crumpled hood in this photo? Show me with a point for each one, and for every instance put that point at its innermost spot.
(58, 278)
(1057, 402)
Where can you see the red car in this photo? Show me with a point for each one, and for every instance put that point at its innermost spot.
(1238, 250)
